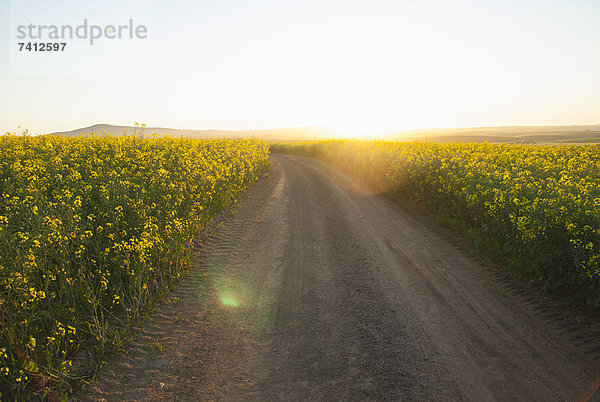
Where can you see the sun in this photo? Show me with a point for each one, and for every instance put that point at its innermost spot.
(360, 130)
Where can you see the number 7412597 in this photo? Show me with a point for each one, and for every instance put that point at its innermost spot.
(42, 46)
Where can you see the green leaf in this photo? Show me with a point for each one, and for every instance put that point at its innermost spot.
(31, 366)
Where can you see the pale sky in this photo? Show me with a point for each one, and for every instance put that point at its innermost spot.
(368, 66)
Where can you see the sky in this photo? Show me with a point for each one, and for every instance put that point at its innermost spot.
(358, 67)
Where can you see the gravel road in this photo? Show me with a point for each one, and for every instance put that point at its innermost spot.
(317, 288)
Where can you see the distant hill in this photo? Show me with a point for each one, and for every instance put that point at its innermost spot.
(578, 134)
(284, 134)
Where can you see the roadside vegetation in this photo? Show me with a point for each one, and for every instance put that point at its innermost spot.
(92, 231)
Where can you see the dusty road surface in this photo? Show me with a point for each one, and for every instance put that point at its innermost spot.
(319, 289)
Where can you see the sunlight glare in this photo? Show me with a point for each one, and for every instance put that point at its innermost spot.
(229, 299)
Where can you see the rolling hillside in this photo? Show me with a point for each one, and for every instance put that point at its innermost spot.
(576, 134)
(292, 133)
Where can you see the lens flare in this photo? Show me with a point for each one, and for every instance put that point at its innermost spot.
(229, 299)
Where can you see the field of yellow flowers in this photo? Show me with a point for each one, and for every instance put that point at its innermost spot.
(536, 208)
(92, 230)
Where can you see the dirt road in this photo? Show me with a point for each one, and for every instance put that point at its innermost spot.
(319, 289)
